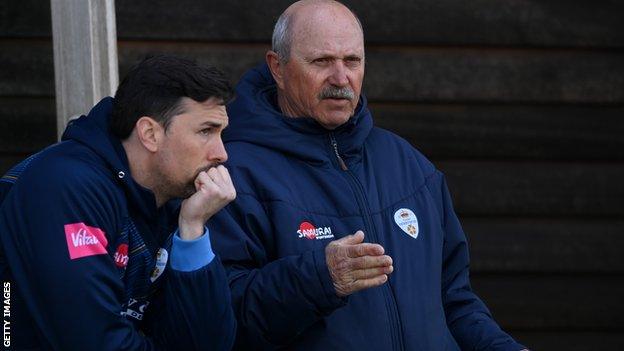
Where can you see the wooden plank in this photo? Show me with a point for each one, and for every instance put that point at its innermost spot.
(535, 189)
(25, 19)
(570, 341)
(502, 245)
(85, 55)
(416, 75)
(481, 75)
(554, 302)
(233, 60)
(29, 68)
(515, 131)
(578, 23)
(26, 125)
(582, 23)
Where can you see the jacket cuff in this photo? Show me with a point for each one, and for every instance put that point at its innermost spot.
(191, 255)
(330, 300)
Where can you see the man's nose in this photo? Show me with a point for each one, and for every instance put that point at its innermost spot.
(217, 153)
(338, 76)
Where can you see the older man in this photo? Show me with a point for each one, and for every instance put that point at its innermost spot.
(329, 206)
(95, 254)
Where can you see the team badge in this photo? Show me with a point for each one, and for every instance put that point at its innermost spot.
(407, 221)
(161, 262)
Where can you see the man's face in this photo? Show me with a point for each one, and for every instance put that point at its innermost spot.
(192, 143)
(323, 77)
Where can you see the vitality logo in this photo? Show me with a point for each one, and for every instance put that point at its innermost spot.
(83, 240)
(308, 230)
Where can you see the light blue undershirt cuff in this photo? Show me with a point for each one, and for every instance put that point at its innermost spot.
(191, 255)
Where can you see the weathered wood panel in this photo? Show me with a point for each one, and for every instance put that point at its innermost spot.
(554, 302)
(583, 23)
(418, 75)
(507, 131)
(535, 189)
(26, 124)
(506, 75)
(545, 245)
(25, 18)
(29, 68)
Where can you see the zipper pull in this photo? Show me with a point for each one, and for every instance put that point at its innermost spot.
(343, 165)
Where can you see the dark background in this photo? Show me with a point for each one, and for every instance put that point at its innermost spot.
(519, 102)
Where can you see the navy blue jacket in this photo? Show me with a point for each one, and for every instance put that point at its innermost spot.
(91, 262)
(294, 196)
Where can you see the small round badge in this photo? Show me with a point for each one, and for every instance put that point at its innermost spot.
(407, 221)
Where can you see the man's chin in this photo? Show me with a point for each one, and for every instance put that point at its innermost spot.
(335, 119)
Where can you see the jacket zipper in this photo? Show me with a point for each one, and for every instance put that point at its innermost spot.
(360, 197)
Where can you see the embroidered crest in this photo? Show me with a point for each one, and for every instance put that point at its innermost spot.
(407, 221)
(161, 262)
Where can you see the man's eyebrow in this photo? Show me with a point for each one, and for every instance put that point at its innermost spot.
(212, 124)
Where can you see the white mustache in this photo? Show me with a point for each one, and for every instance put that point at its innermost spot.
(332, 92)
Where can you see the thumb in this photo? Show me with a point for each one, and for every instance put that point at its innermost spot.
(353, 239)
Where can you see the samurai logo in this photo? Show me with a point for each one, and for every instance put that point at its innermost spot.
(309, 231)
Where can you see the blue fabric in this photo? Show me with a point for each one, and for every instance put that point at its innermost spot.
(79, 244)
(189, 255)
(293, 198)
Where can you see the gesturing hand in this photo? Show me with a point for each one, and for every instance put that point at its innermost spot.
(354, 265)
(214, 191)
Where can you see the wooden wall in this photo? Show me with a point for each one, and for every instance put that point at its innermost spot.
(519, 102)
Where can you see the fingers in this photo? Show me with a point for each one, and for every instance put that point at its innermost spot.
(366, 262)
(217, 181)
(364, 249)
(369, 273)
(356, 238)
(369, 283)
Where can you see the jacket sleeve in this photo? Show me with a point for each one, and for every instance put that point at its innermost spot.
(467, 316)
(274, 299)
(197, 308)
(57, 229)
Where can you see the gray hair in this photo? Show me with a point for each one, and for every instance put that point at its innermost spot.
(281, 40)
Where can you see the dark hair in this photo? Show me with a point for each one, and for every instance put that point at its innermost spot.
(155, 86)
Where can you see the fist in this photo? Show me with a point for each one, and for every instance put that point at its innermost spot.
(355, 265)
(214, 190)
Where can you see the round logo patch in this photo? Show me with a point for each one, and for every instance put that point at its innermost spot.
(161, 262)
(407, 221)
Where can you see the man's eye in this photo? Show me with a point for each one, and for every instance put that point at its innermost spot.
(321, 61)
(205, 131)
(353, 61)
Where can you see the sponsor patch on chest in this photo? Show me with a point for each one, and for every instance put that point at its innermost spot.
(83, 240)
(309, 231)
(407, 221)
(121, 256)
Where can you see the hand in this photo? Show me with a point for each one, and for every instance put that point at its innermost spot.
(354, 265)
(214, 190)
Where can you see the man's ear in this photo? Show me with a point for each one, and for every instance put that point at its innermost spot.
(275, 66)
(149, 132)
